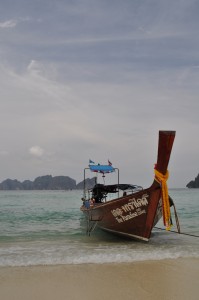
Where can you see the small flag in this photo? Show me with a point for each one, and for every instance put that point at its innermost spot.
(91, 162)
(110, 164)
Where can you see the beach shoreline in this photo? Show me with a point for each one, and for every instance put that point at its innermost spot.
(161, 279)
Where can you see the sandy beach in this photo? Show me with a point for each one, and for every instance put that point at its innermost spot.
(164, 279)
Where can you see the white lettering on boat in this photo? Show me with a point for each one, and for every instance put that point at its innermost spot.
(133, 209)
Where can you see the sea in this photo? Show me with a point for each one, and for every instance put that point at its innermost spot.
(48, 228)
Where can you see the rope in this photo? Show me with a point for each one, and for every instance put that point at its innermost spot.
(162, 180)
(176, 218)
(183, 233)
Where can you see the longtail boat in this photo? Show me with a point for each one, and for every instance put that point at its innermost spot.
(132, 211)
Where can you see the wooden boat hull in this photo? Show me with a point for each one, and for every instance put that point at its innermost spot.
(134, 215)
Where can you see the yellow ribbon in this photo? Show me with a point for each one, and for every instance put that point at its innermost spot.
(162, 179)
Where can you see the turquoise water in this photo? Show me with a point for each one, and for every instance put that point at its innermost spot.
(47, 227)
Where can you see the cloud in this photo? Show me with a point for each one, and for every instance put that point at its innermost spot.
(98, 83)
(35, 68)
(4, 152)
(8, 24)
(36, 151)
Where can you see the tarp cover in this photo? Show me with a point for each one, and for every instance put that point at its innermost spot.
(113, 188)
(101, 168)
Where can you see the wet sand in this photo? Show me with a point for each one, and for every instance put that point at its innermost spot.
(162, 280)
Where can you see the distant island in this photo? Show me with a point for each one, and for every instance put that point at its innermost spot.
(47, 182)
(194, 183)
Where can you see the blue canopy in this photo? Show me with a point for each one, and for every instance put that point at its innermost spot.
(101, 168)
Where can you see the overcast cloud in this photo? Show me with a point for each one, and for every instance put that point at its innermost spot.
(98, 79)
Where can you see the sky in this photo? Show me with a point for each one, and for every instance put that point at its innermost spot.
(96, 79)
